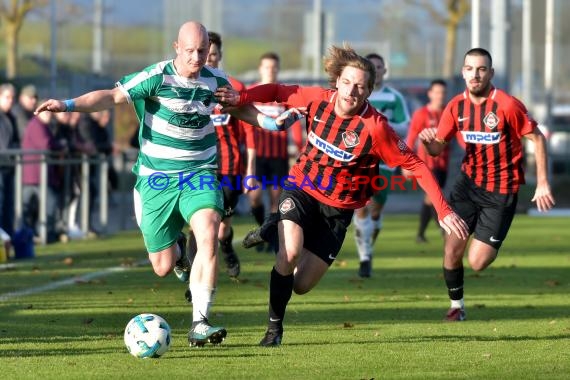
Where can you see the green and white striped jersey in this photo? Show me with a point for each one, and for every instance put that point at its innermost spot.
(176, 132)
(392, 105)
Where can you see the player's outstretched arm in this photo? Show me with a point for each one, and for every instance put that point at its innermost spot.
(251, 115)
(90, 102)
(542, 195)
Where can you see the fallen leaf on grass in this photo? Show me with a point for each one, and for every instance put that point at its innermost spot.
(551, 283)
(341, 263)
(128, 262)
(68, 261)
(552, 322)
(487, 356)
(130, 300)
(346, 298)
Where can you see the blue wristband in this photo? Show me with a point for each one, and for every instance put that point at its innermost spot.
(69, 105)
(269, 123)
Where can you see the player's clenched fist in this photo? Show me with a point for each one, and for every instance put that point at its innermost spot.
(427, 135)
(51, 105)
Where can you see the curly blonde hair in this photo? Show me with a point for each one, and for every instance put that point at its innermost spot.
(340, 57)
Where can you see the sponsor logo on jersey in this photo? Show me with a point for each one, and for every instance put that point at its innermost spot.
(286, 206)
(220, 119)
(350, 139)
(491, 120)
(403, 146)
(329, 149)
(488, 138)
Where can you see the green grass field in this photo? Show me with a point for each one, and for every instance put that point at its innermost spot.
(388, 326)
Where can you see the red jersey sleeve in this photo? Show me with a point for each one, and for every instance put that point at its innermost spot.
(518, 117)
(390, 148)
(447, 127)
(416, 124)
(292, 96)
(236, 84)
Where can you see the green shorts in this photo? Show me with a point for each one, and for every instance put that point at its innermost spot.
(164, 203)
(381, 196)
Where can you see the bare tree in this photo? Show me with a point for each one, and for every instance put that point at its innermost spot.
(450, 18)
(12, 14)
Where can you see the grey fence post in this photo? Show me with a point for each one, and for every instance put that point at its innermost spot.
(43, 199)
(18, 208)
(103, 191)
(84, 194)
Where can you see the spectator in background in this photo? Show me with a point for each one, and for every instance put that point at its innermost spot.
(93, 130)
(66, 132)
(9, 139)
(24, 109)
(428, 117)
(38, 136)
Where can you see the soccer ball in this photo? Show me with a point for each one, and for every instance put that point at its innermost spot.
(147, 336)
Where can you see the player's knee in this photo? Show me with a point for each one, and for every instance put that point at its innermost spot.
(301, 289)
(479, 264)
(161, 270)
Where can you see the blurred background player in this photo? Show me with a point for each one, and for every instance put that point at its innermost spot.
(428, 117)
(232, 134)
(272, 147)
(368, 219)
(492, 124)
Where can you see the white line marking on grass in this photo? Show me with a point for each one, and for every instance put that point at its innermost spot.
(77, 280)
(70, 281)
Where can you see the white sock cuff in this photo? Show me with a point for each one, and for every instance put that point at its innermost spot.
(457, 304)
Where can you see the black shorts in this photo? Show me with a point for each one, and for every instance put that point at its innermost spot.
(270, 168)
(488, 215)
(324, 227)
(232, 189)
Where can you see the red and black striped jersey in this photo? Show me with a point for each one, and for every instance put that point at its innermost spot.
(231, 135)
(421, 119)
(492, 132)
(339, 162)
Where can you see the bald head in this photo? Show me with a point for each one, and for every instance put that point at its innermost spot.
(191, 49)
(191, 28)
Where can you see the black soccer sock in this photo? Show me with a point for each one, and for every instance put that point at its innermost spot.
(454, 282)
(226, 244)
(425, 216)
(280, 290)
(258, 213)
(434, 215)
